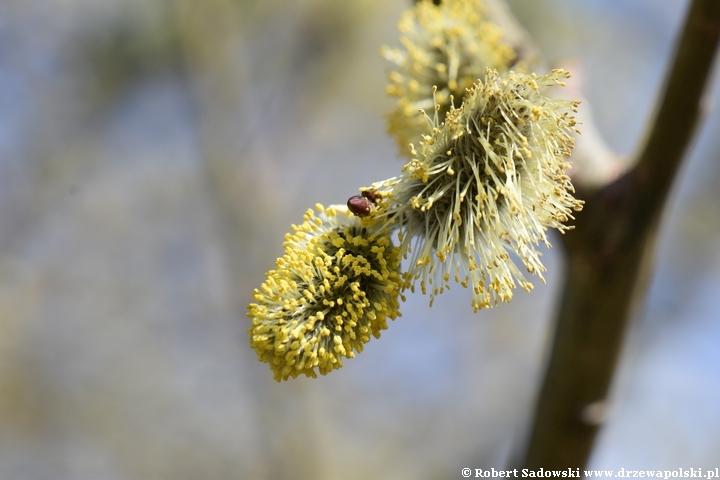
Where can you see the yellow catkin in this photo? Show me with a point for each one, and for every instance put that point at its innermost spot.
(335, 287)
(487, 182)
(446, 46)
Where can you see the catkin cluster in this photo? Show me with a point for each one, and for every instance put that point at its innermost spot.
(486, 178)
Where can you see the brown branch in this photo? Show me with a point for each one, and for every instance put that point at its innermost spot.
(606, 259)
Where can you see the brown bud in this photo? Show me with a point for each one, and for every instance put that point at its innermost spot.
(359, 205)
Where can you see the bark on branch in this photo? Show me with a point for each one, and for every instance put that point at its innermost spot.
(606, 253)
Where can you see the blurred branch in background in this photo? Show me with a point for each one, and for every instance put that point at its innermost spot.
(610, 255)
(224, 53)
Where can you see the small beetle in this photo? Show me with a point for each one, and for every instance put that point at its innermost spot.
(359, 205)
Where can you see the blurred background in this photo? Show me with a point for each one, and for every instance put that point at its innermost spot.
(152, 155)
